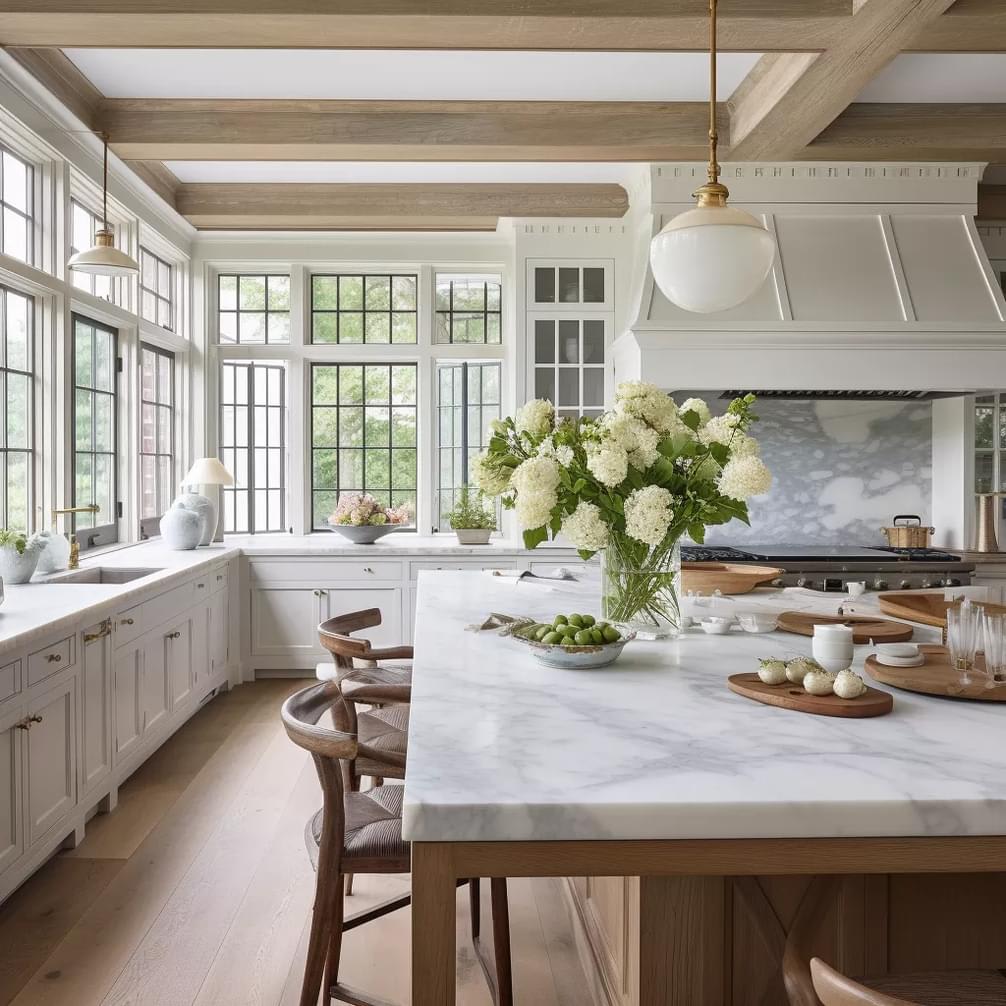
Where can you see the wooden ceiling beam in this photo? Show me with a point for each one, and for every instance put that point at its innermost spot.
(390, 206)
(62, 79)
(968, 26)
(264, 130)
(789, 98)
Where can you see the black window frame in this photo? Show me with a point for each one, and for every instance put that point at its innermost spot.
(159, 408)
(5, 207)
(238, 311)
(363, 311)
(159, 297)
(5, 450)
(450, 311)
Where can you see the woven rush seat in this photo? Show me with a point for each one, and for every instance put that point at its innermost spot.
(373, 829)
(385, 729)
(944, 988)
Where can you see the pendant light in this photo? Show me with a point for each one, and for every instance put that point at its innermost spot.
(104, 259)
(713, 257)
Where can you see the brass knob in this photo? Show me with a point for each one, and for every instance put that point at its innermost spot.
(367, 569)
(173, 635)
(199, 586)
(34, 718)
(126, 621)
(219, 577)
(23, 725)
(54, 658)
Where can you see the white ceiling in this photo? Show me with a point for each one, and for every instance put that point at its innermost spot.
(936, 77)
(407, 74)
(398, 171)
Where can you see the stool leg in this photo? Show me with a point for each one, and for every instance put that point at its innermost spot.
(475, 904)
(334, 941)
(501, 940)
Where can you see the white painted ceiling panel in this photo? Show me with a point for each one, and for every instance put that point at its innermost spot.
(936, 77)
(417, 75)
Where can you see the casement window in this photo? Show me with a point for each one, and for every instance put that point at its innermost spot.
(17, 432)
(253, 309)
(467, 310)
(83, 226)
(156, 290)
(468, 400)
(363, 434)
(371, 309)
(17, 188)
(253, 445)
(95, 409)
(157, 431)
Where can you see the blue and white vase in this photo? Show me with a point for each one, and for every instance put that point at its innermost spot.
(181, 528)
(207, 511)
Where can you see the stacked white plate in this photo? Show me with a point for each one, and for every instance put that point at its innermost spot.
(899, 655)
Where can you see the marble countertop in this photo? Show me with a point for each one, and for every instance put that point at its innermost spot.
(503, 748)
(400, 544)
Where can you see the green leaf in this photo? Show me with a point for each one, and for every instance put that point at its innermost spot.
(697, 532)
(579, 485)
(690, 419)
(535, 536)
(719, 453)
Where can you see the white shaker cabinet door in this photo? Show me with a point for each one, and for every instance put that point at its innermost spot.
(127, 672)
(178, 656)
(201, 655)
(11, 829)
(52, 758)
(284, 620)
(95, 702)
(219, 631)
(154, 697)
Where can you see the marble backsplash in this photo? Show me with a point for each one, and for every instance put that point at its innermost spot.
(841, 470)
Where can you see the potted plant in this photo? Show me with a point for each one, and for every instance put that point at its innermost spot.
(472, 520)
(18, 556)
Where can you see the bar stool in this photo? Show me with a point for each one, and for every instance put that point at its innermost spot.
(357, 833)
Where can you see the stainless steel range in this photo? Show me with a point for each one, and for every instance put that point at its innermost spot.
(830, 567)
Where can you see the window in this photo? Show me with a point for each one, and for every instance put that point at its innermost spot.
(363, 309)
(568, 362)
(83, 226)
(363, 434)
(253, 446)
(254, 309)
(95, 406)
(467, 309)
(156, 288)
(468, 400)
(16, 312)
(157, 425)
(17, 183)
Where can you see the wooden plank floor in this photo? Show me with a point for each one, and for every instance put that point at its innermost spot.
(197, 890)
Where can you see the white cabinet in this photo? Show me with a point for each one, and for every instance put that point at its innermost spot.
(12, 726)
(343, 600)
(284, 620)
(95, 703)
(51, 758)
(178, 661)
(219, 631)
(200, 645)
(127, 675)
(154, 693)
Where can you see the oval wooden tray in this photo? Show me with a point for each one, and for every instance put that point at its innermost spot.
(872, 702)
(936, 677)
(864, 627)
(929, 609)
(727, 578)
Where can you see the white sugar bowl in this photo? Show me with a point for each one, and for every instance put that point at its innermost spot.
(832, 646)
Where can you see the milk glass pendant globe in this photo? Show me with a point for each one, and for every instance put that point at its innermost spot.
(713, 257)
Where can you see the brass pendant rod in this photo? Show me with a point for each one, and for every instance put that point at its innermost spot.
(714, 138)
(104, 179)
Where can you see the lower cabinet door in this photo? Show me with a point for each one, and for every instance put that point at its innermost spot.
(200, 647)
(11, 823)
(343, 600)
(127, 673)
(154, 696)
(220, 629)
(52, 758)
(178, 657)
(95, 703)
(284, 621)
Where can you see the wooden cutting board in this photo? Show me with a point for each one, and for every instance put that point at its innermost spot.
(929, 609)
(936, 677)
(864, 627)
(727, 578)
(872, 702)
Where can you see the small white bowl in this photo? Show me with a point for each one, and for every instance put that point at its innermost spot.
(899, 651)
(757, 621)
(714, 625)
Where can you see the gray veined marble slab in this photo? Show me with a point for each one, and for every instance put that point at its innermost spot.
(502, 748)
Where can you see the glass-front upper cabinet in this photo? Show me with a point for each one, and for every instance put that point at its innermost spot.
(570, 284)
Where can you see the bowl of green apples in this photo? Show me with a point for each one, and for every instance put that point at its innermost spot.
(575, 641)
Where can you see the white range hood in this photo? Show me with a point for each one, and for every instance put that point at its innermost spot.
(880, 283)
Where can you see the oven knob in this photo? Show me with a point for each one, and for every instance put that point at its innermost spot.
(950, 582)
(929, 584)
(905, 584)
(879, 585)
(804, 582)
(777, 582)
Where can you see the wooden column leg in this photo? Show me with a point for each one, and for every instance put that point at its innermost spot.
(501, 941)
(681, 949)
(433, 924)
(475, 905)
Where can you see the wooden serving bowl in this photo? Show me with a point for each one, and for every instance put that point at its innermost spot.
(929, 609)
(727, 578)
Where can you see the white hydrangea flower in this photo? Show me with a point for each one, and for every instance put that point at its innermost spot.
(608, 462)
(490, 478)
(561, 452)
(719, 429)
(648, 514)
(536, 417)
(637, 439)
(699, 407)
(585, 528)
(647, 402)
(745, 477)
(534, 509)
(498, 427)
(743, 446)
(535, 481)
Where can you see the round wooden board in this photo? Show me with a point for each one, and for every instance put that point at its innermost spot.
(727, 578)
(872, 702)
(864, 627)
(936, 677)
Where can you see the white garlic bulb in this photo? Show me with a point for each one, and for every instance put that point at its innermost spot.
(799, 667)
(849, 685)
(819, 682)
(772, 671)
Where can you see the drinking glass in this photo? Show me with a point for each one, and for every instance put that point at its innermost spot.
(995, 649)
(963, 625)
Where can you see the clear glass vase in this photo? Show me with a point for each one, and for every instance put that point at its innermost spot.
(640, 584)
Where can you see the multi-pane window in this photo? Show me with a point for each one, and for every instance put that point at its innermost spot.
(157, 422)
(253, 444)
(467, 309)
(363, 434)
(568, 363)
(94, 424)
(84, 225)
(156, 290)
(16, 376)
(253, 309)
(363, 309)
(17, 180)
(468, 400)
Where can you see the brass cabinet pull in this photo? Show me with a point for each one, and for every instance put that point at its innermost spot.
(125, 621)
(320, 593)
(105, 629)
(367, 569)
(34, 718)
(200, 586)
(219, 577)
(26, 723)
(54, 658)
(173, 635)
(23, 725)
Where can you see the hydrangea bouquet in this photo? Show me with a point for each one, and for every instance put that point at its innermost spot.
(359, 509)
(630, 484)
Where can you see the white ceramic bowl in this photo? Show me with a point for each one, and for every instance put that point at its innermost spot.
(715, 625)
(757, 621)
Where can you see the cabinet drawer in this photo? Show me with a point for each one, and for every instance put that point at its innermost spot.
(128, 625)
(10, 680)
(48, 661)
(202, 587)
(218, 579)
(462, 565)
(323, 571)
(169, 604)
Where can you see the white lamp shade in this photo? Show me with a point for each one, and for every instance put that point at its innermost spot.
(104, 259)
(208, 472)
(711, 258)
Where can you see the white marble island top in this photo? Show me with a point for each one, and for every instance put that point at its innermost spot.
(656, 747)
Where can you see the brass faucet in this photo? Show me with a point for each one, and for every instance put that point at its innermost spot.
(74, 562)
